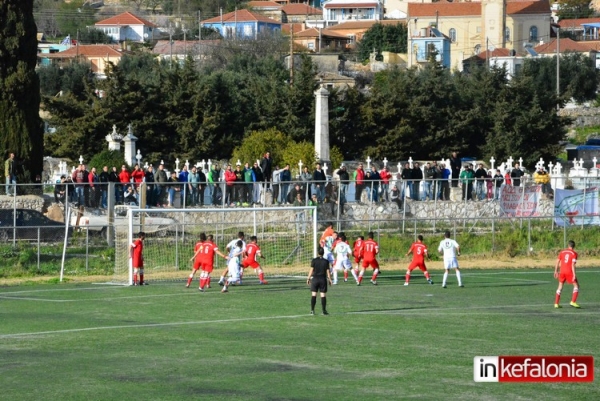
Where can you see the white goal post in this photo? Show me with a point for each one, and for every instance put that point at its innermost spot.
(287, 237)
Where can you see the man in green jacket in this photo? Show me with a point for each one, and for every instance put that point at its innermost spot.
(467, 176)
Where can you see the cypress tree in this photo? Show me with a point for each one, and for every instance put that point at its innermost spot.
(21, 129)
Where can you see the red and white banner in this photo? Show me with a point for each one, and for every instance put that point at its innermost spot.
(506, 369)
(520, 201)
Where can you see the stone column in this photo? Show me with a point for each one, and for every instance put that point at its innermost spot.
(322, 125)
(130, 140)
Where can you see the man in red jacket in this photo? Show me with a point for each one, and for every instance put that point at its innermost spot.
(230, 179)
(359, 179)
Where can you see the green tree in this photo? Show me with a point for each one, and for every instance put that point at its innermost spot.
(570, 9)
(20, 124)
(93, 36)
(391, 38)
(257, 143)
(74, 17)
(109, 158)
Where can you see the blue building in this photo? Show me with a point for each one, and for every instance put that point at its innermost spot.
(242, 24)
(429, 41)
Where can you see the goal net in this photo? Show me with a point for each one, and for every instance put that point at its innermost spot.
(287, 237)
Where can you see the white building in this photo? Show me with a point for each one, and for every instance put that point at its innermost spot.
(338, 11)
(128, 27)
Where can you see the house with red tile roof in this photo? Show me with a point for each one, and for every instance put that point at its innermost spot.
(566, 45)
(128, 27)
(476, 26)
(338, 11)
(242, 24)
(300, 12)
(317, 40)
(99, 56)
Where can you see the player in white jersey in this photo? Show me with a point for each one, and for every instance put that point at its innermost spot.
(229, 248)
(451, 250)
(233, 265)
(342, 262)
(328, 248)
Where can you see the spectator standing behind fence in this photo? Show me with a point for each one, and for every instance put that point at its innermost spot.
(406, 176)
(285, 177)
(305, 178)
(229, 177)
(161, 181)
(395, 196)
(344, 177)
(193, 182)
(173, 188)
(104, 179)
(498, 180)
(113, 177)
(319, 181)
(466, 179)
(150, 186)
(239, 185)
(60, 190)
(417, 177)
(184, 175)
(516, 175)
(212, 182)
(455, 169)
(94, 188)
(445, 187)
(201, 186)
(10, 174)
(542, 178)
(359, 182)
(375, 179)
(275, 186)
(266, 165)
(437, 181)
(249, 179)
(79, 179)
(124, 179)
(259, 179)
(489, 183)
(428, 187)
(385, 176)
(480, 176)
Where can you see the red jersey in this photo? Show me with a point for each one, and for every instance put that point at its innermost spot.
(124, 176)
(419, 250)
(252, 251)
(567, 258)
(137, 247)
(207, 254)
(138, 176)
(358, 246)
(370, 250)
(327, 233)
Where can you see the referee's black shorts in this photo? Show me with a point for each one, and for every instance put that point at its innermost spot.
(318, 284)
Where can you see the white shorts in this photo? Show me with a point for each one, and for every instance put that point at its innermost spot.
(341, 264)
(450, 263)
(233, 269)
(329, 257)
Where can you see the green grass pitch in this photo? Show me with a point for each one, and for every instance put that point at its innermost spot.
(385, 342)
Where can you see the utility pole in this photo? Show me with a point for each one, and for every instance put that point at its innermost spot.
(199, 26)
(487, 52)
(557, 66)
(291, 54)
(171, 45)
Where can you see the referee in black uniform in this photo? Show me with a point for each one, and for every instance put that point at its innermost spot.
(318, 276)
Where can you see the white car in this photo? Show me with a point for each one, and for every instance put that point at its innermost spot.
(97, 221)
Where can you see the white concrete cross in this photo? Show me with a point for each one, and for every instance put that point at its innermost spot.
(492, 161)
(550, 168)
(138, 157)
(203, 164)
(510, 161)
(80, 159)
(368, 160)
(325, 168)
(300, 164)
(162, 162)
(558, 168)
(238, 163)
(594, 160)
(187, 164)
(539, 164)
(520, 163)
(177, 166)
(580, 163)
(399, 167)
(209, 163)
(502, 167)
(385, 162)
(575, 164)
(410, 162)
(146, 166)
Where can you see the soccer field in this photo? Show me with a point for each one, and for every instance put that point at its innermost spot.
(166, 342)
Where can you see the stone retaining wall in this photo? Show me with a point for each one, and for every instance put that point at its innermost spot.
(23, 202)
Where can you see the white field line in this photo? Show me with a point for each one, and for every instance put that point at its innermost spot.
(35, 299)
(434, 311)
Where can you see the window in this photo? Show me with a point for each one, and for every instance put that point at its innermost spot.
(507, 34)
(248, 30)
(533, 34)
(452, 35)
(430, 48)
(477, 49)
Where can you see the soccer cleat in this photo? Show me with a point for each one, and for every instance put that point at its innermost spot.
(574, 305)
(430, 281)
(345, 280)
(201, 289)
(334, 283)
(312, 312)
(374, 282)
(325, 313)
(224, 290)
(221, 283)
(557, 306)
(461, 285)
(358, 283)
(405, 283)
(187, 286)
(444, 286)
(263, 282)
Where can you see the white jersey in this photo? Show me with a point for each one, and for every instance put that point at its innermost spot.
(449, 247)
(232, 245)
(342, 250)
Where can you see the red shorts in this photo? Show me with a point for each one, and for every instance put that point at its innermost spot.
(568, 277)
(420, 265)
(372, 263)
(197, 265)
(357, 259)
(250, 263)
(207, 267)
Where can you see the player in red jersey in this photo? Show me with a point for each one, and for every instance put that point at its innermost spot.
(251, 256)
(136, 254)
(326, 234)
(567, 259)
(197, 258)
(206, 253)
(419, 251)
(357, 250)
(369, 258)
